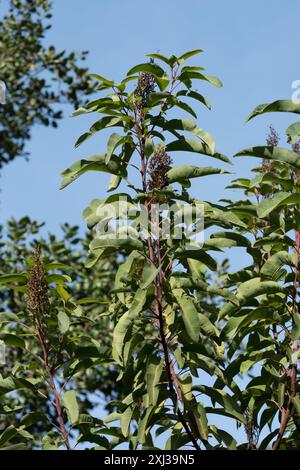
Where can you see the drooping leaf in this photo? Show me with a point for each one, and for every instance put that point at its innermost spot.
(189, 314)
(184, 172)
(272, 153)
(284, 106)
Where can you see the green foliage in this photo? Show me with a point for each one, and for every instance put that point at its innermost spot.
(167, 313)
(39, 79)
(77, 329)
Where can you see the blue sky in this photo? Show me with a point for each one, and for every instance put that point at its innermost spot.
(251, 46)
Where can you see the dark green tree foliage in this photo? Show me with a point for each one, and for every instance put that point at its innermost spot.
(39, 79)
(79, 317)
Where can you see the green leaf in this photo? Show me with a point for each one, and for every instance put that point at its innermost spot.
(196, 96)
(153, 373)
(159, 57)
(189, 54)
(125, 419)
(71, 405)
(103, 123)
(63, 322)
(250, 290)
(106, 241)
(143, 427)
(125, 322)
(113, 142)
(114, 182)
(13, 340)
(190, 145)
(149, 67)
(188, 125)
(148, 275)
(266, 206)
(199, 255)
(283, 106)
(272, 153)
(104, 80)
(189, 314)
(9, 278)
(95, 163)
(293, 132)
(184, 172)
(190, 75)
(201, 420)
(273, 266)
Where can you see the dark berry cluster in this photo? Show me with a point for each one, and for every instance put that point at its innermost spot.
(145, 86)
(159, 165)
(37, 293)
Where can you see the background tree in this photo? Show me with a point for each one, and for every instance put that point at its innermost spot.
(88, 290)
(39, 79)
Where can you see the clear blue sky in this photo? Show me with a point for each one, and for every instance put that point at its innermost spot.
(252, 46)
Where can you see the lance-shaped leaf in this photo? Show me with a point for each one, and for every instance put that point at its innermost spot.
(160, 57)
(148, 67)
(189, 313)
(95, 163)
(114, 141)
(71, 405)
(283, 106)
(249, 290)
(199, 255)
(148, 275)
(186, 172)
(189, 54)
(144, 427)
(273, 266)
(191, 75)
(125, 323)
(9, 278)
(229, 404)
(272, 153)
(266, 206)
(106, 121)
(190, 145)
(201, 420)
(196, 96)
(124, 270)
(108, 241)
(188, 125)
(153, 373)
(125, 420)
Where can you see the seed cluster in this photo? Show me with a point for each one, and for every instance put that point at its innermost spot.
(145, 86)
(159, 165)
(296, 147)
(272, 141)
(37, 294)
